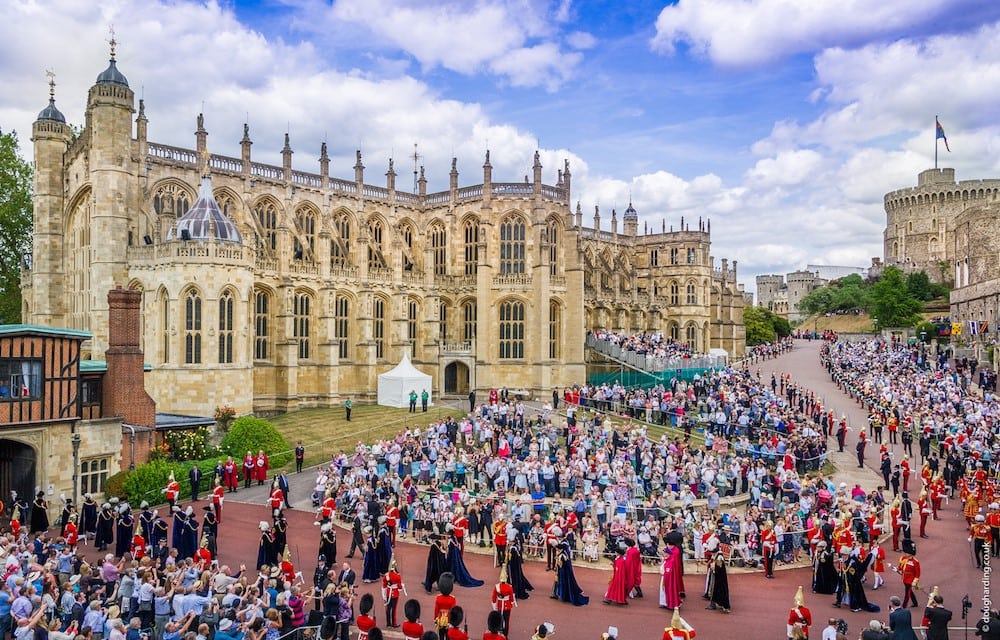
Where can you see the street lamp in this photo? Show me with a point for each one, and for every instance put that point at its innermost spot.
(75, 439)
(875, 322)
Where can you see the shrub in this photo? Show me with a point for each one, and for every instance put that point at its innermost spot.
(224, 416)
(253, 434)
(114, 487)
(187, 444)
(146, 481)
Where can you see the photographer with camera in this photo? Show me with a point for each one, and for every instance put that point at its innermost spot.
(989, 628)
(875, 631)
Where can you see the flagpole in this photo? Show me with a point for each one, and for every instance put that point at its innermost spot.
(935, 141)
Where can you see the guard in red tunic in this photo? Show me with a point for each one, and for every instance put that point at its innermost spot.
(500, 542)
(799, 616)
(391, 520)
(328, 508)
(494, 623)
(392, 586)
(444, 603)
(993, 522)
(172, 491)
(924, 509)
(461, 524)
(503, 600)
(456, 619)
(277, 499)
(72, 532)
(909, 569)
(365, 621)
(412, 629)
(904, 468)
(769, 545)
(218, 496)
(138, 544)
(876, 562)
(980, 537)
(938, 492)
(679, 629)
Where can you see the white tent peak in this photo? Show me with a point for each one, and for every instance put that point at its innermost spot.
(395, 385)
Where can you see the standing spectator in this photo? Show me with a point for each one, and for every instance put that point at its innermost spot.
(194, 477)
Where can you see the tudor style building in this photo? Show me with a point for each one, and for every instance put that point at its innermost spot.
(271, 288)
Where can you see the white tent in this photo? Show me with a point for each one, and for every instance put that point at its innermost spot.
(394, 386)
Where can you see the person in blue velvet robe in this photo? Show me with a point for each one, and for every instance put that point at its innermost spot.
(566, 588)
(370, 573)
(456, 565)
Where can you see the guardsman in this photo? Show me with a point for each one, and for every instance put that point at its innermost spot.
(172, 491)
(365, 622)
(679, 629)
(924, 509)
(769, 545)
(276, 500)
(552, 535)
(461, 524)
(503, 600)
(139, 545)
(328, 507)
(444, 603)
(392, 586)
(980, 537)
(909, 569)
(72, 532)
(218, 496)
(904, 468)
(993, 522)
(897, 526)
(971, 509)
(494, 624)
(500, 542)
(799, 616)
(938, 492)
(391, 521)
(412, 629)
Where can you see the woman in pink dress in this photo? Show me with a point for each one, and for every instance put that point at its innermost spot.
(618, 588)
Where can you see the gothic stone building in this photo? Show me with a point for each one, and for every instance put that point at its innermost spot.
(271, 288)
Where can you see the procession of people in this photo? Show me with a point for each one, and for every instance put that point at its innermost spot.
(531, 487)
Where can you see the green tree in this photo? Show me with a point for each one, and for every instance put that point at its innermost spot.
(919, 286)
(892, 303)
(782, 328)
(15, 225)
(758, 325)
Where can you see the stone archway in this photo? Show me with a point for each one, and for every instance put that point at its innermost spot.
(17, 469)
(456, 378)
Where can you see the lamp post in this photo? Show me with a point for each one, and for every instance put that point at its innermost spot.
(875, 323)
(75, 440)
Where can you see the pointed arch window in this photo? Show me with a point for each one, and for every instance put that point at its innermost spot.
(267, 216)
(262, 326)
(412, 327)
(512, 245)
(376, 257)
(302, 322)
(171, 199)
(165, 325)
(340, 243)
(439, 240)
(692, 337)
(409, 261)
(675, 293)
(192, 327)
(469, 320)
(306, 222)
(692, 294)
(226, 328)
(378, 327)
(555, 331)
(553, 230)
(512, 330)
(443, 322)
(471, 246)
(342, 325)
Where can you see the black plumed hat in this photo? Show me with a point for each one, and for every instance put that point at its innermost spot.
(456, 616)
(366, 604)
(446, 584)
(494, 622)
(411, 610)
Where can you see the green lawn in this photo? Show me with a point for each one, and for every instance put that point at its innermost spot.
(324, 432)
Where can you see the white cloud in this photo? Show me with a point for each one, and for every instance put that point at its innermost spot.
(512, 38)
(787, 169)
(752, 32)
(581, 40)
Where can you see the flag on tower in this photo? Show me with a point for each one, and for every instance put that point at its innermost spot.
(940, 134)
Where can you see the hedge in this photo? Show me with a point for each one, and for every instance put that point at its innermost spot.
(146, 481)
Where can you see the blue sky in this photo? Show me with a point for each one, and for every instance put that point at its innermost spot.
(784, 122)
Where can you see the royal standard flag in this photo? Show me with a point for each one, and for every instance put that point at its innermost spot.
(941, 136)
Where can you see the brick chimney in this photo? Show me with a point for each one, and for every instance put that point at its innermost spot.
(124, 383)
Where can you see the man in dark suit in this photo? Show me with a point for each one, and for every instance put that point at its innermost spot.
(936, 619)
(194, 476)
(347, 575)
(283, 485)
(900, 621)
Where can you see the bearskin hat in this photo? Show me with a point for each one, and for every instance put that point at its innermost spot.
(494, 622)
(411, 610)
(366, 604)
(456, 616)
(446, 583)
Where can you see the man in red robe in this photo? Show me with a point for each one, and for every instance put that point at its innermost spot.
(618, 588)
(633, 558)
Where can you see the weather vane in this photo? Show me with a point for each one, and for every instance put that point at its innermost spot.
(51, 75)
(111, 40)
